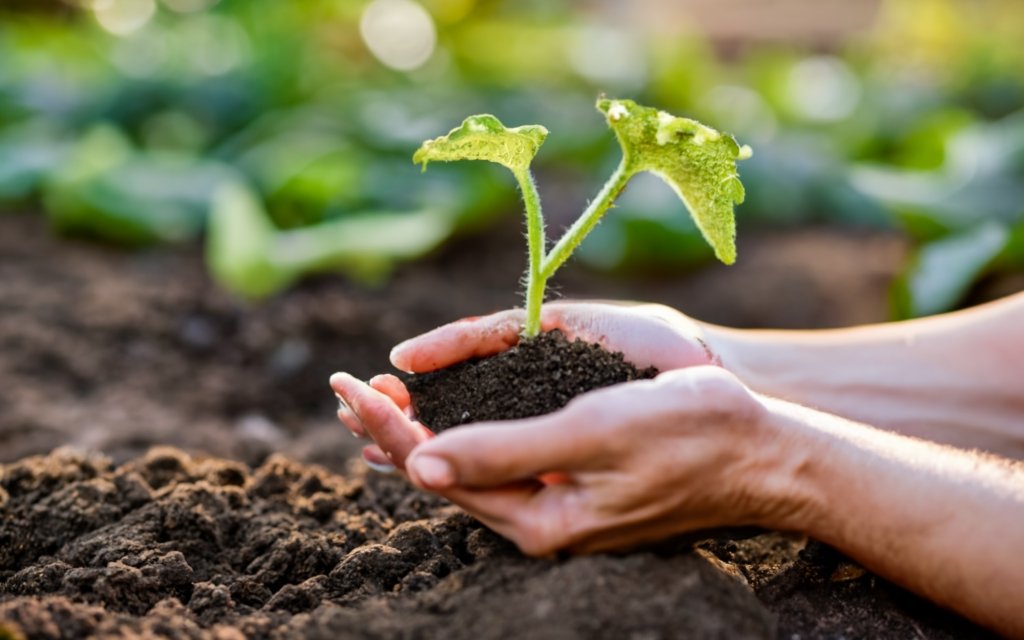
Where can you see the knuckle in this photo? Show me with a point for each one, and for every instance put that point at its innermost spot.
(710, 388)
(589, 415)
(375, 413)
(710, 384)
(721, 391)
(717, 385)
(535, 536)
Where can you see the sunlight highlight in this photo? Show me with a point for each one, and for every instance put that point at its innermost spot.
(399, 33)
(123, 17)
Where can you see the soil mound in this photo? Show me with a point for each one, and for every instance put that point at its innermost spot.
(188, 547)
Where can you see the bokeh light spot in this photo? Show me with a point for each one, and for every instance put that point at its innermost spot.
(609, 57)
(740, 110)
(189, 6)
(122, 17)
(400, 33)
(823, 88)
(215, 45)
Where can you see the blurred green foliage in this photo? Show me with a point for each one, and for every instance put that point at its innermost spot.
(294, 122)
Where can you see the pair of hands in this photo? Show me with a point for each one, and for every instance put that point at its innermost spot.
(615, 468)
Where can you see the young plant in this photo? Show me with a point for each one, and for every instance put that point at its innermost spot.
(698, 162)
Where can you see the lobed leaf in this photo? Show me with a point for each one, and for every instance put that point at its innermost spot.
(698, 162)
(484, 137)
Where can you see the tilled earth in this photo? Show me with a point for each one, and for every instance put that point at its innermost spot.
(205, 548)
(259, 524)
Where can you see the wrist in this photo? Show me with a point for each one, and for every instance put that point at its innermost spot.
(789, 450)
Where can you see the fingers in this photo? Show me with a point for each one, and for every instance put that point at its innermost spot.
(376, 459)
(350, 419)
(393, 388)
(491, 455)
(649, 335)
(483, 336)
(387, 384)
(381, 418)
(458, 341)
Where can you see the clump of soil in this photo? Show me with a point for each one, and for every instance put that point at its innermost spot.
(206, 548)
(537, 376)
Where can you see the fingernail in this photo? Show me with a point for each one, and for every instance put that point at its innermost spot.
(341, 403)
(398, 356)
(432, 471)
(380, 468)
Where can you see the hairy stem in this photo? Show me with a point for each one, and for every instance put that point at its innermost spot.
(575, 234)
(535, 280)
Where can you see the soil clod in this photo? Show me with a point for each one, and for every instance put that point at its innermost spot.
(537, 376)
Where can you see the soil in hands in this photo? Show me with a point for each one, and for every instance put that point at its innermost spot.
(539, 375)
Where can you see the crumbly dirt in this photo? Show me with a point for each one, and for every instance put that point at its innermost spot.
(206, 548)
(260, 524)
(537, 376)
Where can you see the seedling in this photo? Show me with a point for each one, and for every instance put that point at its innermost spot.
(698, 162)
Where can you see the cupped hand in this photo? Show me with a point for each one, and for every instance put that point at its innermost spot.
(638, 462)
(646, 334)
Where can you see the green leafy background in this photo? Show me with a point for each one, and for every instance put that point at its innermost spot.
(279, 134)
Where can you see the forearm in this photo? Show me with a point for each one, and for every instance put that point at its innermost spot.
(945, 523)
(955, 379)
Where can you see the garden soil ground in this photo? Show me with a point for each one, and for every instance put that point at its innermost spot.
(257, 521)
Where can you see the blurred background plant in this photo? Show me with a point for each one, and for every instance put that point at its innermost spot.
(285, 129)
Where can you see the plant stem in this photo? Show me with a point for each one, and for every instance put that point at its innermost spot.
(575, 234)
(535, 280)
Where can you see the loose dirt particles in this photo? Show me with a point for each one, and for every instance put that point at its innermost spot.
(537, 376)
(260, 525)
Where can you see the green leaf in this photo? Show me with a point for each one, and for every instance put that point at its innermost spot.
(483, 137)
(248, 255)
(112, 193)
(698, 162)
(29, 153)
(239, 240)
(945, 269)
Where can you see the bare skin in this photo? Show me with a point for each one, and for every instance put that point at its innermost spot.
(703, 446)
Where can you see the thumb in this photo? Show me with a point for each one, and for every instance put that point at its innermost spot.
(458, 341)
(492, 455)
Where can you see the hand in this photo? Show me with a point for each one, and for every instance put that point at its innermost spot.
(647, 334)
(691, 449)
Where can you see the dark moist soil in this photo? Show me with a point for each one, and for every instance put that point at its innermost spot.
(260, 524)
(537, 376)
